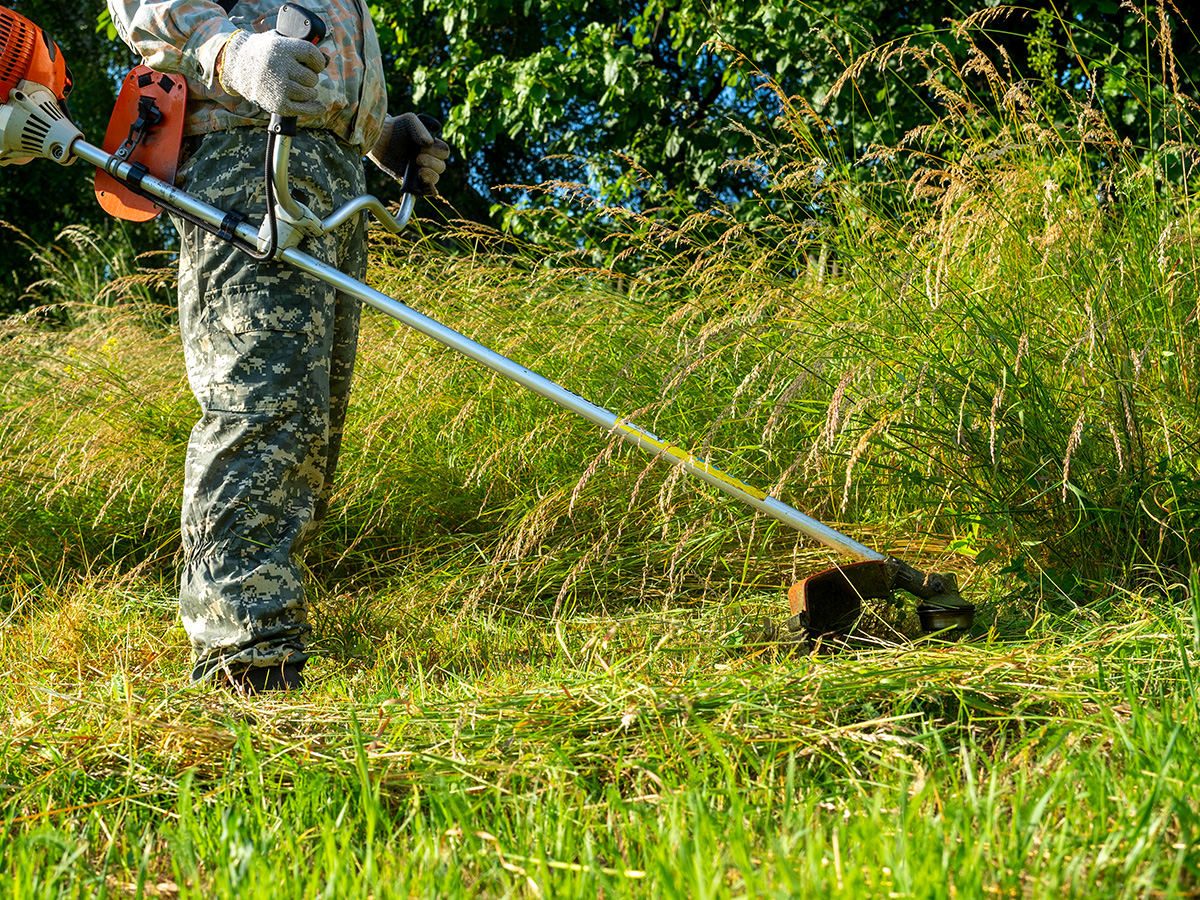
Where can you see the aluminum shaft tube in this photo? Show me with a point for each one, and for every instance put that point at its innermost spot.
(501, 365)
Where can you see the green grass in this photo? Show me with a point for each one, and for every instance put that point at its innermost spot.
(539, 665)
(630, 755)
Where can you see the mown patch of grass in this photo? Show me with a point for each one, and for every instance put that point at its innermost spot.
(631, 755)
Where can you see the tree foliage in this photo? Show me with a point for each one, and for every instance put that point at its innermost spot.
(647, 101)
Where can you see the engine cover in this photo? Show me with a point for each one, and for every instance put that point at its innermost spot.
(33, 125)
(34, 83)
(28, 54)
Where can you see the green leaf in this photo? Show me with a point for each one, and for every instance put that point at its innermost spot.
(105, 25)
(612, 71)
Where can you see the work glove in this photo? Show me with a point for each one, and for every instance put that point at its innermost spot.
(276, 72)
(409, 139)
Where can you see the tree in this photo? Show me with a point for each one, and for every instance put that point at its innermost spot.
(643, 92)
(657, 96)
(646, 102)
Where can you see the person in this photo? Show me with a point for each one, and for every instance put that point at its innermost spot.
(269, 350)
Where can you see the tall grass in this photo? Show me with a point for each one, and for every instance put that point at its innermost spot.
(1008, 354)
(538, 669)
(1001, 367)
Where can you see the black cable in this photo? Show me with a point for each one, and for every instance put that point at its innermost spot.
(272, 225)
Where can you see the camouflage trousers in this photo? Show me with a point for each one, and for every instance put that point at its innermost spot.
(269, 353)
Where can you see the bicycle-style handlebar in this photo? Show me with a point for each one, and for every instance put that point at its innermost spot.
(292, 219)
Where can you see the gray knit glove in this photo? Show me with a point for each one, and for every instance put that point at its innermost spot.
(277, 73)
(409, 140)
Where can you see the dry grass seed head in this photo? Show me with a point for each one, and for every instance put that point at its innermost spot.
(833, 415)
(1073, 443)
(859, 449)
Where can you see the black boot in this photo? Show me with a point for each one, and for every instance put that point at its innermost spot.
(262, 679)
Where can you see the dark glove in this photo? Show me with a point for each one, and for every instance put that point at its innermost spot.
(276, 72)
(408, 141)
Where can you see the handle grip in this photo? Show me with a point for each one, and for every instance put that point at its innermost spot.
(412, 184)
(295, 21)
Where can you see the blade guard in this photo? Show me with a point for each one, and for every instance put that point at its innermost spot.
(830, 602)
(158, 148)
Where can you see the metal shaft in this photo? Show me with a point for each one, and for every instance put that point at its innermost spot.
(501, 365)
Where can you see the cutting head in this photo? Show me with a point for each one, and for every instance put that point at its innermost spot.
(830, 603)
(34, 84)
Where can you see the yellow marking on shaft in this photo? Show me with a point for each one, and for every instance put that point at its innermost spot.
(688, 459)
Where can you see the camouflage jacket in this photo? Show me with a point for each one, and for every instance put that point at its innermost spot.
(186, 36)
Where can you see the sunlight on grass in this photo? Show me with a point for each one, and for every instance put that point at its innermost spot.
(541, 666)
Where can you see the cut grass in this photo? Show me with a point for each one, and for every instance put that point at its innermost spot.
(628, 755)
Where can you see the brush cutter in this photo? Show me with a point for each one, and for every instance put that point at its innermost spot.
(135, 171)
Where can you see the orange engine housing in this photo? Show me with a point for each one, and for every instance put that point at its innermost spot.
(28, 54)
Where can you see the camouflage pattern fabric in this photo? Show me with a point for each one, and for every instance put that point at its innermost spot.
(186, 36)
(269, 353)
